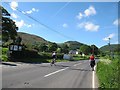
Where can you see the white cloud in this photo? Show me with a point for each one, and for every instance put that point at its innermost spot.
(14, 15)
(14, 5)
(35, 10)
(91, 27)
(79, 16)
(28, 25)
(20, 23)
(30, 11)
(90, 11)
(116, 22)
(110, 36)
(65, 25)
(88, 26)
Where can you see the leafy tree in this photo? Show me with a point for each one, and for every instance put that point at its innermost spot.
(18, 40)
(43, 47)
(59, 50)
(52, 47)
(85, 49)
(9, 29)
(65, 48)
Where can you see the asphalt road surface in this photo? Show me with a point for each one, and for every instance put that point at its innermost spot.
(74, 74)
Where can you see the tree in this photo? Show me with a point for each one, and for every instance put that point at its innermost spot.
(95, 50)
(9, 29)
(59, 50)
(85, 49)
(52, 47)
(65, 48)
(43, 47)
(18, 40)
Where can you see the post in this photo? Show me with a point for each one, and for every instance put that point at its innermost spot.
(93, 50)
(109, 48)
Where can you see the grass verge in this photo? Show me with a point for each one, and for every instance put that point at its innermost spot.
(107, 72)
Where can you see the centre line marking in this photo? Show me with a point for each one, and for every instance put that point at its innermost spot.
(77, 64)
(56, 72)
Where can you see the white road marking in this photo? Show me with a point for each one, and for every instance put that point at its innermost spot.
(56, 72)
(93, 78)
(77, 64)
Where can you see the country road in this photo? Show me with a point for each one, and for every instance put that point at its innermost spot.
(74, 74)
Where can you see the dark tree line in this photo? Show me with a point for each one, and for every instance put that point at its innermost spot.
(9, 28)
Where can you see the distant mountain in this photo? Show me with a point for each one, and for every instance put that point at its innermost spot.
(113, 47)
(31, 39)
(74, 44)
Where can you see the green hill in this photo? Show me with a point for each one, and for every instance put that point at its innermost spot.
(31, 39)
(113, 47)
(74, 44)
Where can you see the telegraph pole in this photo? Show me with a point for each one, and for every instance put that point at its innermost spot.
(109, 48)
(93, 50)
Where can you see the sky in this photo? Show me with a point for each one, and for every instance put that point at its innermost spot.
(86, 22)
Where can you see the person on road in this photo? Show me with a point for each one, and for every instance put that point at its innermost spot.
(92, 62)
(53, 58)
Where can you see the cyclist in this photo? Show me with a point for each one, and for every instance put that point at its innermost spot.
(92, 62)
(53, 58)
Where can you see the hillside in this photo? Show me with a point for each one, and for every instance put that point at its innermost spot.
(31, 39)
(113, 47)
(74, 44)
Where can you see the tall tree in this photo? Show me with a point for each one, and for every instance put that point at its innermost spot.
(9, 28)
(85, 49)
(65, 48)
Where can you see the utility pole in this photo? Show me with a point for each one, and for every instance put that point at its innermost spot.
(109, 48)
(93, 50)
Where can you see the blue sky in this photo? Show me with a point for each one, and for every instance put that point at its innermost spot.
(85, 22)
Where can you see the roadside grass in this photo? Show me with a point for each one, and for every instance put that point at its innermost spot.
(108, 73)
(3, 55)
(79, 57)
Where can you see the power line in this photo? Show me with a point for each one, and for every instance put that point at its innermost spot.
(62, 8)
(43, 24)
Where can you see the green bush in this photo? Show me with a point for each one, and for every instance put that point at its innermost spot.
(30, 54)
(59, 56)
(4, 51)
(49, 56)
(4, 58)
(107, 72)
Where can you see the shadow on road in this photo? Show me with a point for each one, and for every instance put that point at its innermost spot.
(80, 69)
(9, 64)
